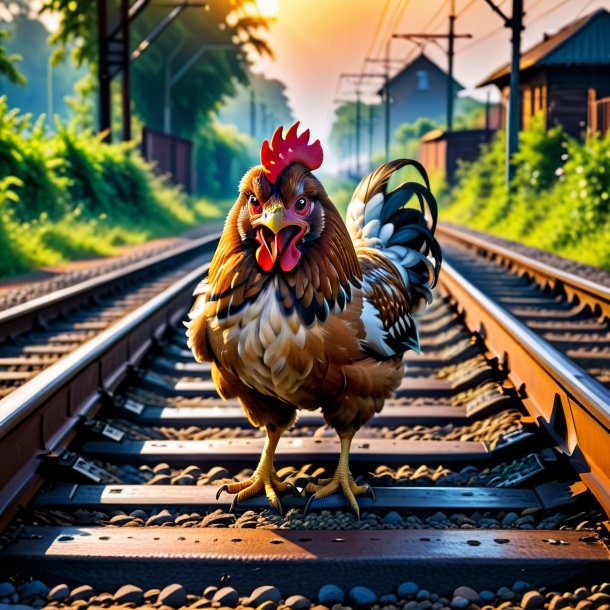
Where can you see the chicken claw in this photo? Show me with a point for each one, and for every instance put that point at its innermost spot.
(338, 484)
(341, 481)
(261, 481)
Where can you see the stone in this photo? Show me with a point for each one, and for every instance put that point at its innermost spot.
(38, 603)
(218, 472)
(173, 595)
(532, 600)
(469, 594)
(407, 588)
(139, 514)
(392, 518)
(162, 468)
(600, 598)
(505, 594)
(558, 602)
(58, 593)
(151, 595)
(487, 596)
(160, 518)
(121, 520)
(390, 598)
(509, 519)
(264, 594)
(227, 596)
(14, 607)
(209, 591)
(422, 594)
(129, 594)
(298, 602)
(320, 607)
(520, 586)
(362, 596)
(459, 603)
(268, 605)
(84, 592)
(33, 588)
(204, 602)
(330, 594)
(6, 589)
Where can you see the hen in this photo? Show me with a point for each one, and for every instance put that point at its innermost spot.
(303, 311)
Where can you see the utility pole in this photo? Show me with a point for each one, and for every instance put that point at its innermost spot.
(386, 93)
(125, 77)
(115, 57)
(358, 132)
(371, 127)
(451, 37)
(450, 66)
(359, 76)
(252, 112)
(387, 99)
(513, 124)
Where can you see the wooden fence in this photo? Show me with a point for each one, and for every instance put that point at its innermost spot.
(171, 155)
(598, 113)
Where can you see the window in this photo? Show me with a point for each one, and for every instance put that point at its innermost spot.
(422, 80)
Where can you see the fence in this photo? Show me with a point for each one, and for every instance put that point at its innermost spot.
(171, 155)
(598, 113)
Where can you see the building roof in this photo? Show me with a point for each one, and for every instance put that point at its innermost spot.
(422, 60)
(585, 41)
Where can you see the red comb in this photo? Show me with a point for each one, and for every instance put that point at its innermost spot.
(282, 152)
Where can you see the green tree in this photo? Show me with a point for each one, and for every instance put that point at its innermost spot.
(7, 62)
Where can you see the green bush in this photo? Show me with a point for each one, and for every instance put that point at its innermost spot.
(559, 195)
(67, 194)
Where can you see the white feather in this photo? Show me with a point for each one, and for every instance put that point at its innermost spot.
(373, 207)
(386, 232)
(371, 229)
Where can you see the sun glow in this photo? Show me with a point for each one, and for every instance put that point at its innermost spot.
(268, 8)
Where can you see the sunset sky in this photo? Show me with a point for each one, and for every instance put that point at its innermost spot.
(316, 40)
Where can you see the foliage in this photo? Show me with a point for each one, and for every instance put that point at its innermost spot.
(222, 155)
(68, 194)
(201, 89)
(559, 198)
(7, 62)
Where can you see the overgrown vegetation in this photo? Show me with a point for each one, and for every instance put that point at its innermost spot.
(67, 195)
(559, 200)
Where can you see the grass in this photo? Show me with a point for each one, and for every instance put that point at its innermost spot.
(559, 199)
(66, 195)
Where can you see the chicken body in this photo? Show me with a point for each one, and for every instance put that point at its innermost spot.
(300, 311)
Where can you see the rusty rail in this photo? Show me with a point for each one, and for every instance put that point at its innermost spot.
(571, 405)
(22, 318)
(39, 417)
(595, 296)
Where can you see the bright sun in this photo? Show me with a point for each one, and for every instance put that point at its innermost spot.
(268, 8)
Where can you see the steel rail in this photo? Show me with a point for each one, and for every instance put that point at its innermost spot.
(594, 295)
(26, 316)
(572, 406)
(40, 415)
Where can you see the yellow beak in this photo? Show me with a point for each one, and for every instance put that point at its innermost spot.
(273, 217)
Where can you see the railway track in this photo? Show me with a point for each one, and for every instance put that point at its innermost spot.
(490, 469)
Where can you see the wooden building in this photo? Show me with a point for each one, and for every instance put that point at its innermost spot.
(442, 150)
(419, 90)
(561, 73)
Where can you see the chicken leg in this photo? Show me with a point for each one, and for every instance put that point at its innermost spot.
(342, 480)
(264, 478)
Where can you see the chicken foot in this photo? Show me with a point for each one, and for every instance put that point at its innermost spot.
(341, 481)
(265, 477)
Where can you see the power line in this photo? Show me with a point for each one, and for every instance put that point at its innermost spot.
(584, 8)
(552, 9)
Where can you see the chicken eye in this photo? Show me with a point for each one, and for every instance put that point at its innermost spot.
(300, 204)
(255, 206)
